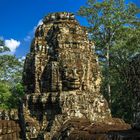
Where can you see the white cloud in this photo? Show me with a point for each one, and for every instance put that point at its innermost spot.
(12, 44)
(30, 35)
(27, 38)
(21, 59)
(40, 22)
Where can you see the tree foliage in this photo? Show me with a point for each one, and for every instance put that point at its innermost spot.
(105, 19)
(115, 28)
(127, 46)
(10, 78)
(5, 95)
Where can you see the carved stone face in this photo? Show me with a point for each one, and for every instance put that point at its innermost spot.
(66, 76)
(73, 75)
(71, 79)
(61, 57)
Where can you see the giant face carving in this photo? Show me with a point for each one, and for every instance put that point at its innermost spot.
(70, 58)
(73, 72)
(71, 79)
(69, 73)
(61, 57)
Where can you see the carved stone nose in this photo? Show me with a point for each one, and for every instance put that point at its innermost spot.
(75, 75)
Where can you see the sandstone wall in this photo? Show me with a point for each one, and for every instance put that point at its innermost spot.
(9, 130)
(9, 114)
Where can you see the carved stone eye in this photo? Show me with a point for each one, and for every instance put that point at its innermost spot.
(79, 71)
(69, 72)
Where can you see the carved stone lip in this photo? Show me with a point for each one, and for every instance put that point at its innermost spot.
(73, 85)
(72, 80)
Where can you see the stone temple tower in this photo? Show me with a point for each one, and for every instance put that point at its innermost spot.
(61, 77)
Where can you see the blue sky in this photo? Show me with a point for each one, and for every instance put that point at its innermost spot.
(18, 18)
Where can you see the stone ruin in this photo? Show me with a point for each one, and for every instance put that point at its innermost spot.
(9, 130)
(62, 80)
(9, 126)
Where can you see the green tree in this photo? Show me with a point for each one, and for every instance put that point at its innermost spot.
(10, 78)
(3, 48)
(105, 20)
(10, 66)
(127, 46)
(5, 95)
